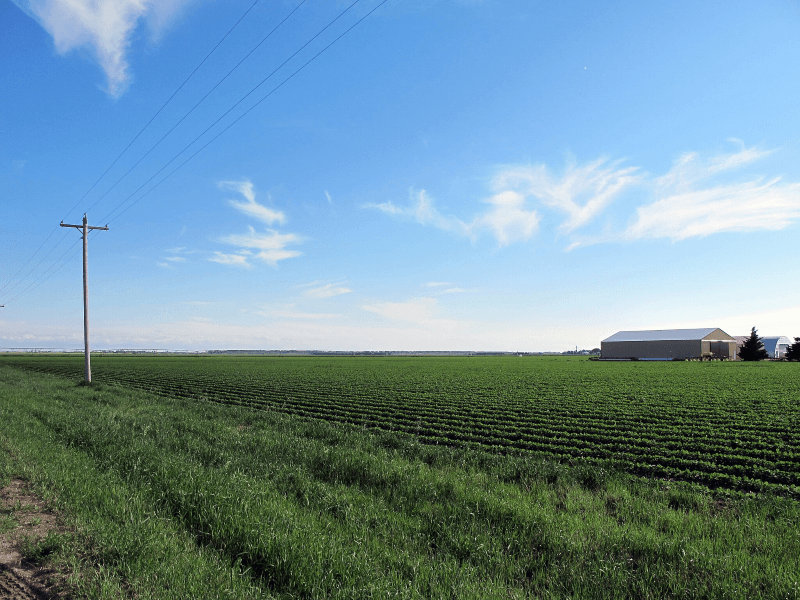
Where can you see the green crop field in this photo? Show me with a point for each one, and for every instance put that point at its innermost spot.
(257, 477)
(730, 425)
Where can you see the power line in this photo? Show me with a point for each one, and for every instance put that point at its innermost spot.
(202, 62)
(44, 277)
(226, 128)
(19, 281)
(26, 264)
(158, 112)
(246, 56)
(242, 99)
(41, 279)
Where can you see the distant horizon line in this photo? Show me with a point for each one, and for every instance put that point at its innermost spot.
(52, 350)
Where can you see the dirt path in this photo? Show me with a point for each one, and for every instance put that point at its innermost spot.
(24, 516)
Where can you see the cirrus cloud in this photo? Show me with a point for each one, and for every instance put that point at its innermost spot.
(326, 291)
(105, 27)
(582, 191)
(249, 206)
(423, 212)
(693, 201)
(268, 246)
(697, 197)
(239, 260)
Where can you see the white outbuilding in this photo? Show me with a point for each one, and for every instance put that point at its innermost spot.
(776, 345)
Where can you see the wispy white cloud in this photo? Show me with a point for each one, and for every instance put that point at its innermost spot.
(328, 197)
(509, 219)
(269, 240)
(697, 197)
(690, 168)
(249, 206)
(326, 291)
(691, 201)
(316, 282)
(169, 262)
(582, 191)
(238, 260)
(178, 254)
(437, 285)
(747, 206)
(181, 250)
(269, 246)
(423, 212)
(163, 13)
(105, 27)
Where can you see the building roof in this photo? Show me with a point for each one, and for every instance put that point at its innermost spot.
(769, 341)
(653, 335)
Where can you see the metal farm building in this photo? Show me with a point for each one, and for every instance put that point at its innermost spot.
(776, 345)
(666, 344)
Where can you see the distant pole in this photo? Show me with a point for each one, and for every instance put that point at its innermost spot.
(85, 229)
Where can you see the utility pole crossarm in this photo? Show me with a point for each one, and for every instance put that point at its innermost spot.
(88, 227)
(85, 228)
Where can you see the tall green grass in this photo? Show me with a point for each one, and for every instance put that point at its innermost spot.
(180, 498)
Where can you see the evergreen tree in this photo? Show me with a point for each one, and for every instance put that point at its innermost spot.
(793, 351)
(753, 348)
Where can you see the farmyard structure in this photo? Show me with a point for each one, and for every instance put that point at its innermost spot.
(668, 344)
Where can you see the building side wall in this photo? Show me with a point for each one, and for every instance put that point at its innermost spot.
(653, 349)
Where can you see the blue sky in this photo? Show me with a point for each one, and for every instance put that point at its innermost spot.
(449, 175)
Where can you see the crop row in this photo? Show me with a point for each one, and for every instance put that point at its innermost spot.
(697, 422)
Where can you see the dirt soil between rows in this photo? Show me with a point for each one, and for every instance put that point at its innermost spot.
(24, 516)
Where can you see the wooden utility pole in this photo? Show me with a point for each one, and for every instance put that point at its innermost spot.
(85, 228)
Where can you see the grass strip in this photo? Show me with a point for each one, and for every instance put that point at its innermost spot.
(125, 546)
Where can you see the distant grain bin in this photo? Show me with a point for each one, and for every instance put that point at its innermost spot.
(667, 344)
